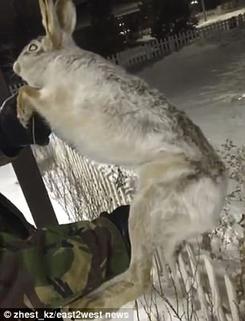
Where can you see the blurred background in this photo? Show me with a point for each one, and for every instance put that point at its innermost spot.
(107, 26)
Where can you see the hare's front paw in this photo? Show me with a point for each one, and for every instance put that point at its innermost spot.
(24, 111)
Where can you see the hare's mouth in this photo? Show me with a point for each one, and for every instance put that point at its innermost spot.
(16, 68)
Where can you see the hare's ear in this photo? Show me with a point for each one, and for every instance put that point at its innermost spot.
(50, 22)
(66, 13)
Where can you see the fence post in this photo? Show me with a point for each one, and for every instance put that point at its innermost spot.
(171, 42)
(240, 21)
(30, 179)
(33, 188)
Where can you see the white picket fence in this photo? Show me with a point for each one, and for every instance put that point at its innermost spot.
(213, 295)
(137, 57)
(87, 188)
(214, 303)
(94, 189)
(154, 49)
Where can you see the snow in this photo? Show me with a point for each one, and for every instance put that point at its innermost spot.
(220, 17)
(126, 9)
(10, 187)
(205, 79)
(145, 38)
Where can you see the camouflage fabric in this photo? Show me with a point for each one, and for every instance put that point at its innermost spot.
(59, 264)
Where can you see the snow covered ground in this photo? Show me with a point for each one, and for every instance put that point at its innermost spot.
(206, 79)
(10, 187)
(220, 17)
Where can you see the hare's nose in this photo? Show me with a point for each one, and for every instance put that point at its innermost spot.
(16, 68)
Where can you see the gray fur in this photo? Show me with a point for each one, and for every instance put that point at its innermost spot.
(114, 117)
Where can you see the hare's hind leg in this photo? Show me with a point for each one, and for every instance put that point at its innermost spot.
(190, 206)
(26, 100)
(132, 283)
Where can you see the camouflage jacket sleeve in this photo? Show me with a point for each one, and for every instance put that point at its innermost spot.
(57, 265)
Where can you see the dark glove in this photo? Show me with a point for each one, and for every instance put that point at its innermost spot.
(119, 217)
(12, 221)
(13, 136)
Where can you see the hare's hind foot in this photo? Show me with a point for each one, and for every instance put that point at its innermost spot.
(25, 102)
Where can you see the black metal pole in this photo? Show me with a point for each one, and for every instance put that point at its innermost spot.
(204, 10)
(30, 179)
(33, 188)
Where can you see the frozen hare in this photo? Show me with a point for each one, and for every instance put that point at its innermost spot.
(114, 117)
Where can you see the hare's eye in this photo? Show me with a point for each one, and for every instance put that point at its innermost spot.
(33, 47)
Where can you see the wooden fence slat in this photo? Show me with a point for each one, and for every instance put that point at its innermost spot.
(197, 276)
(232, 297)
(215, 292)
(156, 49)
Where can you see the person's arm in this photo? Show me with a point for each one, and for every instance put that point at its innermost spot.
(13, 136)
(57, 265)
(4, 160)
